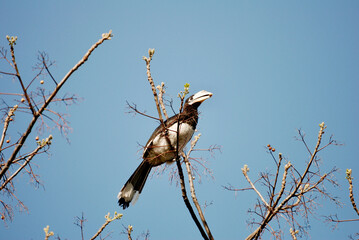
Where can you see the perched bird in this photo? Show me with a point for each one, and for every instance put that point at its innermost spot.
(162, 145)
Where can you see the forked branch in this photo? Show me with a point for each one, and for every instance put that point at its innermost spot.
(106, 36)
(15, 162)
(108, 221)
(296, 194)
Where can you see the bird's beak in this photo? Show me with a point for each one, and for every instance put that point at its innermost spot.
(201, 96)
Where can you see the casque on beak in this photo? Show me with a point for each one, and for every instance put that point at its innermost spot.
(200, 96)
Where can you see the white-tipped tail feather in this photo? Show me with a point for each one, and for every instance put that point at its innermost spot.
(129, 194)
(133, 187)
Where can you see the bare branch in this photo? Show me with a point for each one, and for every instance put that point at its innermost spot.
(80, 223)
(129, 231)
(134, 108)
(29, 104)
(6, 125)
(150, 80)
(284, 179)
(193, 192)
(161, 91)
(6, 73)
(23, 138)
(44, 60)
(293, 233)
(108, 221)
(351, 195)
(245, 169)
(47, 233)
(276, 175)
(12, 43)
(28, 159)
(294, 201)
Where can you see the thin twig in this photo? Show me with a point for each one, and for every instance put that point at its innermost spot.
(28, 159)
(193, 193)
(293, 233)
(245, 169)
(345, 220)
(320, 135)
(47, 69)
(150, 80)
(284, 179)
(129, 231)
(134, 108)
(108, 221)
(6, 73)
(161, 91)
(47, 233)
(80, 223)
(351, 195)
(20, 80)
(6, 125)
(276, 178)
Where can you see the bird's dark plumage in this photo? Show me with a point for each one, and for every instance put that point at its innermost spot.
(158, 150)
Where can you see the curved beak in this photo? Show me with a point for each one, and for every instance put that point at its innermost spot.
(201, 96)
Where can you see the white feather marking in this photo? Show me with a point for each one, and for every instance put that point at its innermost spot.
(160, 148)
(127, 192)
(135, 197)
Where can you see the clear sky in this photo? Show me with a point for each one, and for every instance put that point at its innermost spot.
(273, 67)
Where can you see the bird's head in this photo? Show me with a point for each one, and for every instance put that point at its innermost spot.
(198, 98)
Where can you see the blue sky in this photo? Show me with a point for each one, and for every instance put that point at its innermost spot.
(273, 67)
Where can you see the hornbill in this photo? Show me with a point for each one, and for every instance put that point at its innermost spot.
(162, 145)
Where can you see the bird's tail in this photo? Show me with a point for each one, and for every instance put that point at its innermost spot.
(134, 185)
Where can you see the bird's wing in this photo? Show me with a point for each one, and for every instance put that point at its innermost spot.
(157, 131)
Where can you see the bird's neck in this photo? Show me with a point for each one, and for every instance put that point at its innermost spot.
(190, 115)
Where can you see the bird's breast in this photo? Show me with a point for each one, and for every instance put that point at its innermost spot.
(163, 147)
